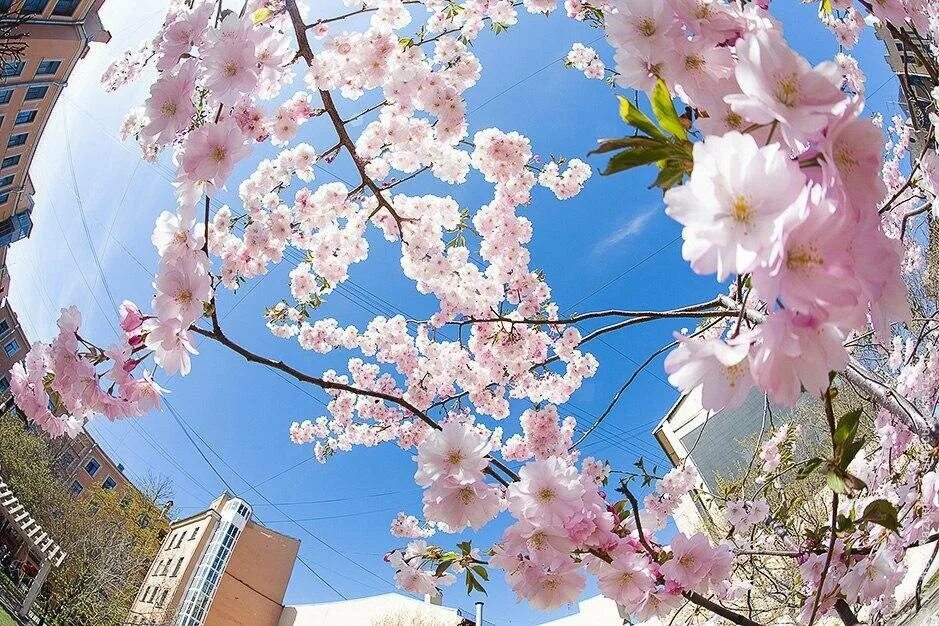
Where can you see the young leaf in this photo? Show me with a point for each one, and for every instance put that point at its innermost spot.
(882, 513)
(608, 145)
(261, 15)
(847, 427)
(810, 466)
(664, 110)
(634, 117)
(628, 159)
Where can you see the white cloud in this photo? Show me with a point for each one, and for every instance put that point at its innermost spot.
(631, 228)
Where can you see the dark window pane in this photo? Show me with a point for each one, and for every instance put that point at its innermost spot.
(34, 6)
(65, 7)
(36, 93)
(5, 96)
(17, 140)
(25, 117)
(13, 68)
(10, 161)
(48, 67)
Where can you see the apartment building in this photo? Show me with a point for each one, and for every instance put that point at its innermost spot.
(58, 34)
(12, 341)
(217, 568)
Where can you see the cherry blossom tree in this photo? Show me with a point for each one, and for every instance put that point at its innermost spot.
(809, 212)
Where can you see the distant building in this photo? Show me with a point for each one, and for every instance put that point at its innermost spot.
(13, 342)
(82, 464)
(916, 85)
(217, 568)
(390, 609)
(58, 33)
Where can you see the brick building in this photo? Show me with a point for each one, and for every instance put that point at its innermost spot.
(13, 342)
(217, 568)
(57, 34)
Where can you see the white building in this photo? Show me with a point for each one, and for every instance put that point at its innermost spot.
(390, 609)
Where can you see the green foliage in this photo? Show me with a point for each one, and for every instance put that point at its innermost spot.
(882, 513)
(108, 551)
(846, 445)
(664, 143)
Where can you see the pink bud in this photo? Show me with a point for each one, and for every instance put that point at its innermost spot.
(130, 316)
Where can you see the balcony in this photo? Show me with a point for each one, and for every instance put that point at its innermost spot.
(16, 227)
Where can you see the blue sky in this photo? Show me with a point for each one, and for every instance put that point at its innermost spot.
(612, 246)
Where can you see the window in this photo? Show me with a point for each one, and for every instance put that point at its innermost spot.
(65, 7)
(66, 459)
(5, 5)
(10, 161)
(176, 569)
(32, 7)
(163, 597)
(109, 483)
(4, 197)
(17, 140)
(48, 67)
(4, 386)
(4, 327)
(6, 181)
(125, 502)
(143, 521)
(92, 466)
(76, 487)
(12, 69)
(5, 96)
(12, 347)
(195, 531)
(36, 92)
(179, 540)
(25, 117)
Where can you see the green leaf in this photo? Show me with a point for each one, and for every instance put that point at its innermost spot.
(635, 157)
(664, 110)
(841, 481)
(882, 513)
(810, 466)
(261, 15)
(608, 145)
(441, 569)
(847, 427)
(481, 571)
(668, 177)
(634, 117)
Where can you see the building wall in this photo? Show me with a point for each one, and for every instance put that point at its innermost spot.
(13, 342)
(49, 37)
(252, 590)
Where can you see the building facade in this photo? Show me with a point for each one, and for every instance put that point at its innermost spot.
(217, 568)
(57, 34)
(13, 342)
(389, 609)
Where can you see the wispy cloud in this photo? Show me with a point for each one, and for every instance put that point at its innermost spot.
(631, 228)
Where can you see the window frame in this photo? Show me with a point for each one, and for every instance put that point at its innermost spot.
(14, 161)
(11, 144)
(31, 115)
(12, 342)
(36, 89)
(19, 65)
(104, 483)
(97, 469)
(58, 66)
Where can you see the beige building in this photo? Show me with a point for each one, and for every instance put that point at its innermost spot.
(57, 34)
(217, 568)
